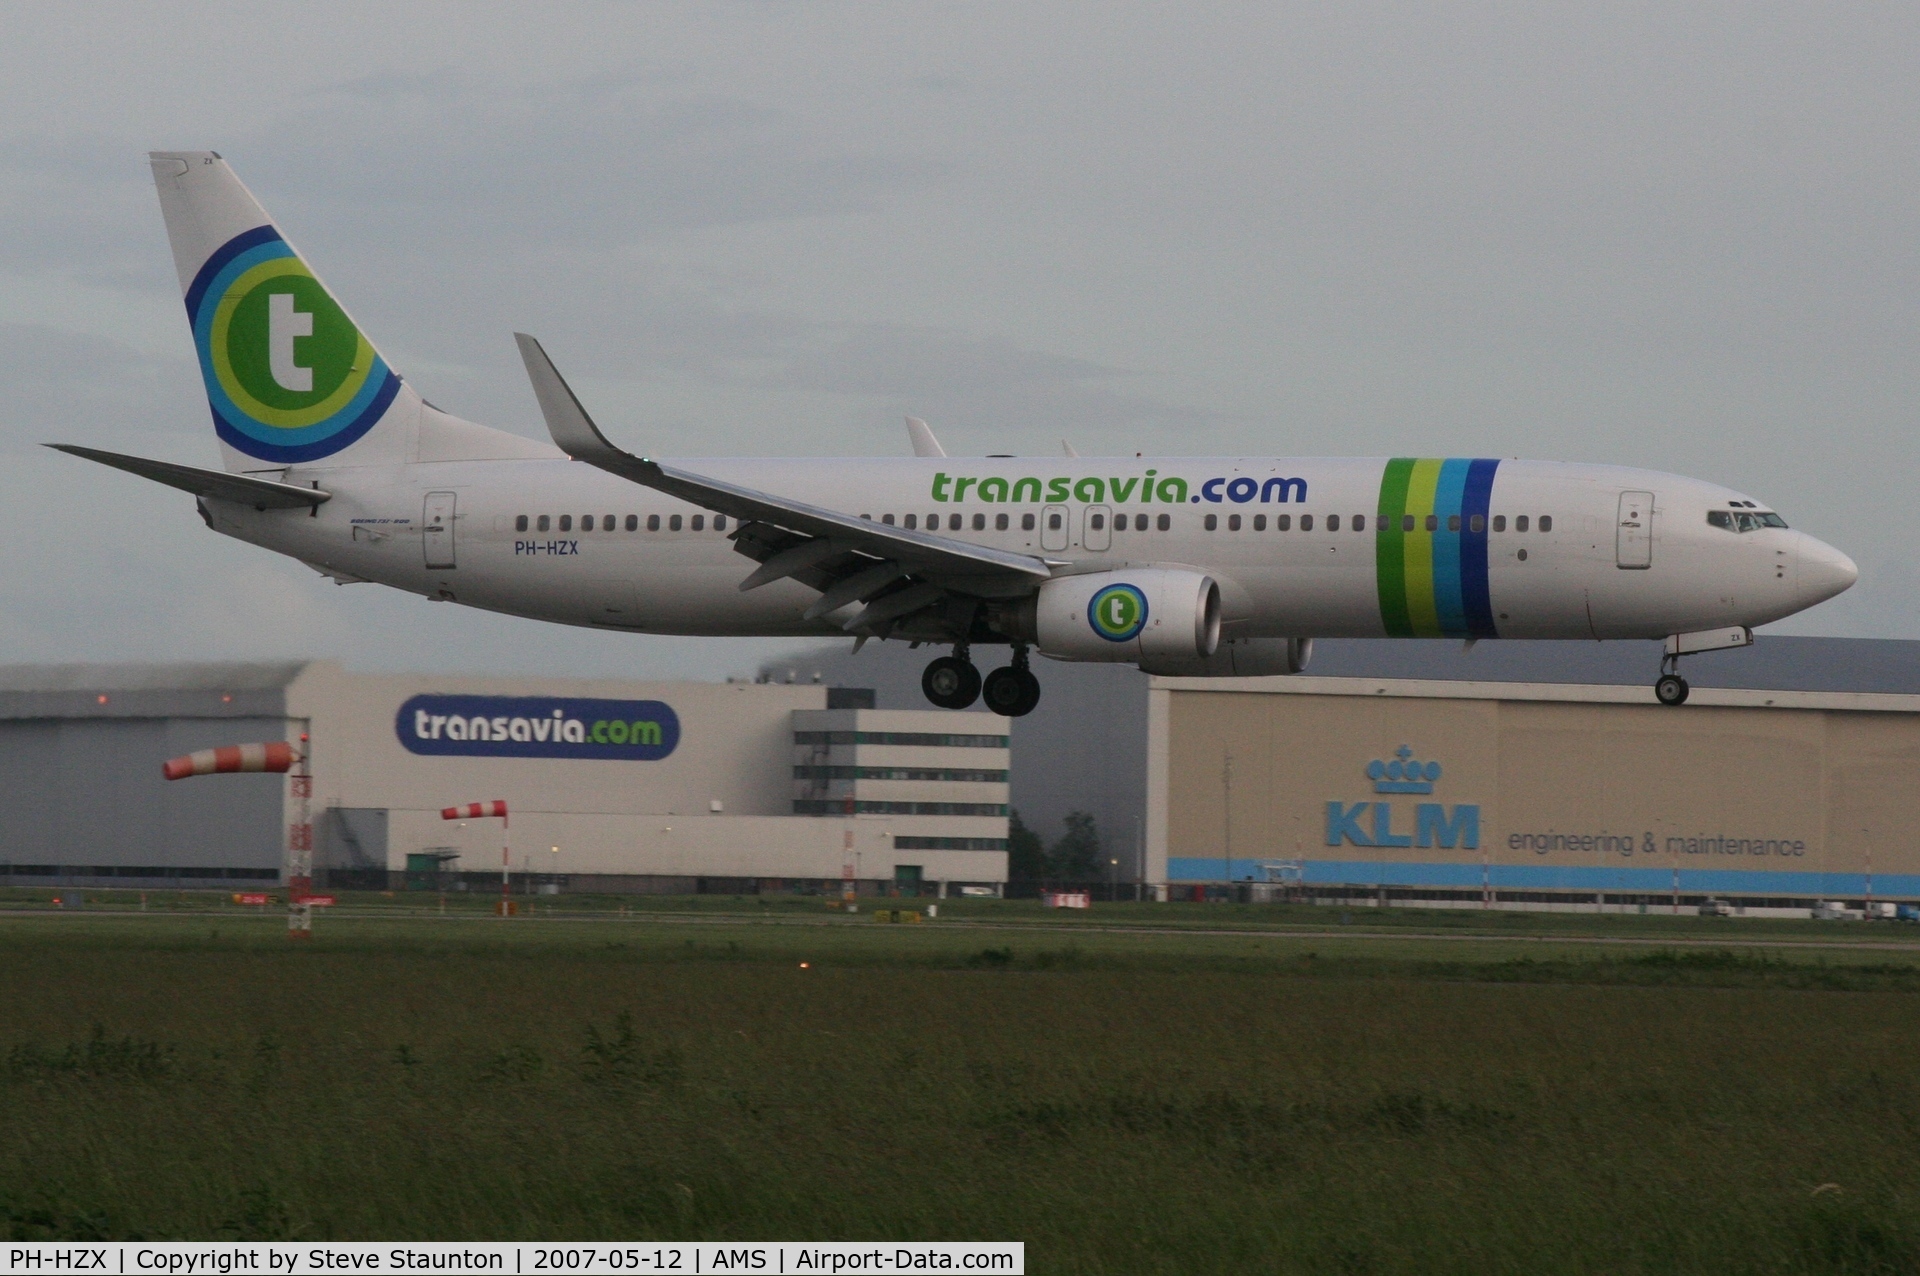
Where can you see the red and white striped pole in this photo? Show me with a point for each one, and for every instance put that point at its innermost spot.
(276, 757)
(486, 811)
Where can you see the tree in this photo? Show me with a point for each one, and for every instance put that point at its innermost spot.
(1076, 856)
(1026, 854)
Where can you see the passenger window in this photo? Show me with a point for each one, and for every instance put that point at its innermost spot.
(1053, 522)
(544, 523)
(887, 519)
(1453, 522)
(520, 524)
(566, 522)
(1478, 523)
(911, 521)
(1546, 522)
(586, 522)
(653, 522)
(953, 522)
(999, 522)
(633, 522)
(1433, 522)
(1359, 522)
(1259, 522)
(1233, 522)
(699, 522)
(1520, 523)
(1212, 522)
(933, 522)
(1381, 524)
(606, 522)
(719, 522)
(1406, 522)
(1333, 522)
(1306, 522)
(1499, 522)
(673, 523)
(1095, 521)
(979, 522)
(1281, 522)
(1026, 522)
(1166, 522)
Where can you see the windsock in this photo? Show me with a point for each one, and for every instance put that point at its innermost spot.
(496, 809)
(275, 755)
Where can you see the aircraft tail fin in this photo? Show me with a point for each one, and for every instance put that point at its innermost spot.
(291, 378)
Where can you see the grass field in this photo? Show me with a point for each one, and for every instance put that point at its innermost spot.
(1172, 1088)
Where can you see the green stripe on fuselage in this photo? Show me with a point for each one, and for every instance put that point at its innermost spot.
(1390, 562)
(1422, 483)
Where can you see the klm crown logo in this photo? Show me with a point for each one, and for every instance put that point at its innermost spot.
(1402, 775)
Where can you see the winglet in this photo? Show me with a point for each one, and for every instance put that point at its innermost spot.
(572, 429)
(924, 444)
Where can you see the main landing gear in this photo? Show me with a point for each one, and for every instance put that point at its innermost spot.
(952, 682)
(1671, 689)
(1012, 692)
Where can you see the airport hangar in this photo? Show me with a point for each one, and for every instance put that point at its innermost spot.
(615, 786)
(1546, 773)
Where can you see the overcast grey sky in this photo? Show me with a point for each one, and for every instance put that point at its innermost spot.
(1682, 237)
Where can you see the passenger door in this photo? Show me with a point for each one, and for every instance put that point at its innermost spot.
(1053, 527)
(436, 529)
(1633, 536)
(1097, 532)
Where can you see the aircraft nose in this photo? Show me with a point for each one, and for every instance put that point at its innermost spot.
(1824, 571)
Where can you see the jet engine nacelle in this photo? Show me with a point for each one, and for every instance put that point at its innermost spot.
(1129, 616)
(1239, 658)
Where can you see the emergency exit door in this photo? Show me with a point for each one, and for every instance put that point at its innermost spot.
(1053, 527)
(436, 529)
(1633, 537)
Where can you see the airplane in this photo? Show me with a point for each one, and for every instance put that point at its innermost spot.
(1195, 566)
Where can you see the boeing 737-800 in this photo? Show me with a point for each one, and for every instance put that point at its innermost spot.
(1179, 565)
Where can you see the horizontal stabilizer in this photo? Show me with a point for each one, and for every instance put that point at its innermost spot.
(242, 489)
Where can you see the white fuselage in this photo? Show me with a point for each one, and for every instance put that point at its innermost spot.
(1601, 571)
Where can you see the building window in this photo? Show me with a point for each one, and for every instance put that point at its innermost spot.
(1546, 522)
(1026, 522)
(999, 522)
(1211, 522)
(520, 524)
(673, 523)
(653, 522)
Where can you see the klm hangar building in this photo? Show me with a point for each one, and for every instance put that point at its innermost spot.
(1463, 778)
(612, 786)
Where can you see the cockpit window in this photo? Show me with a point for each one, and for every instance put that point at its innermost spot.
(1742, 521)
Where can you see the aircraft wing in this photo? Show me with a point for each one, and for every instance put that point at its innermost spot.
(916, 552)
(242, 489)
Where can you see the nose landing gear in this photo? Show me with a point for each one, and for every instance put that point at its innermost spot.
(1013, 691)
(1671, 689)
(951, 682)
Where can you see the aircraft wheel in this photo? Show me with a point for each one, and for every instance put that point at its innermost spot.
(1671, 689)
(1012, 692)
(951, 683)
